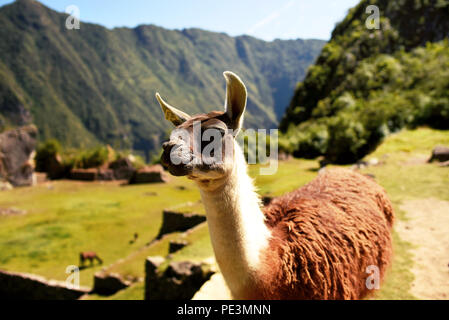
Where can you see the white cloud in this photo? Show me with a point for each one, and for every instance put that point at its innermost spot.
(270, 18)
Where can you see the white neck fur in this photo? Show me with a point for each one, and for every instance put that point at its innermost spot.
(236, 225)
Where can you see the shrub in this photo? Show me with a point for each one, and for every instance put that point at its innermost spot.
(45, 152)
(91, 158)
(347, 137)
(383, 94)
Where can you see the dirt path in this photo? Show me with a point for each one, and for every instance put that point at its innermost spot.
(427, 229)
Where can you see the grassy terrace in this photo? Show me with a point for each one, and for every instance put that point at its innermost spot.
(65, 217)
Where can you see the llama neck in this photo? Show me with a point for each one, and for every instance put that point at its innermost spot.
(237, 226)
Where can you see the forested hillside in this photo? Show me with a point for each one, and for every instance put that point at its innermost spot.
(97, 85)
(368, 83)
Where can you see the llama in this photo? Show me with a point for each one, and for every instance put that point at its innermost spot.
(313, 243)
(91, 256)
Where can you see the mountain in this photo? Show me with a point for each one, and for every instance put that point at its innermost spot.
(367, 83)
(96, 85)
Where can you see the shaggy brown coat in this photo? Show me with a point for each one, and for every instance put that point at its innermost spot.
(325, 235)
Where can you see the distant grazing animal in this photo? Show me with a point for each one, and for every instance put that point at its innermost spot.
(136, 236)
(321, 241)
(91, 256)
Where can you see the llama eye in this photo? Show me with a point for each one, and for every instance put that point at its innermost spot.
(221, 130)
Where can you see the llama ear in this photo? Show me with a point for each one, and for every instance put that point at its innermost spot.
(177, 117)
(235, 104)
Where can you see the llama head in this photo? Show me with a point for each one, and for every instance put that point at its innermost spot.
(202, 146)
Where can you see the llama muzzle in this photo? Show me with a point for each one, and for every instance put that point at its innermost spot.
(182, 165)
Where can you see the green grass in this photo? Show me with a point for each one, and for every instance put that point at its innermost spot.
(405, 179)
(406, 175)
(412, 142)
(70, 217)
(289, 176)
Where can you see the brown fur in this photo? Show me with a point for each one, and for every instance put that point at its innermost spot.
(325, 235)
(91, 256)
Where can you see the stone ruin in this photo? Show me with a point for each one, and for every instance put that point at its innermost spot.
(149, 174)
(17, 148)
(108, 284)
(176, 245)
(22, 286)
(122, 168)
(440, 154)
(179, 281)
(178, 222)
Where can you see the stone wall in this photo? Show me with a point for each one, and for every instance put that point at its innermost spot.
(179, 281)
(179, 222)
(108, 284)
(21, 286)
(440, 154)
(149, 174)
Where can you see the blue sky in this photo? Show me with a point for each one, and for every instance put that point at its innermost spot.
(268, 20)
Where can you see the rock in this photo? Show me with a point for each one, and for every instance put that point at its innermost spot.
(151, 266)
(22, 286)
(360, 165)
(149, 174)
(16, 156)
(123, 168)
(440, 154)
(180, 281)
(175, 246)
(179, 222)
(152, 263)
(84, 174)
(373, 162)
(108, 284)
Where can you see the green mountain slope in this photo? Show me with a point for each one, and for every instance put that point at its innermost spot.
(368, 83)
(97, 85)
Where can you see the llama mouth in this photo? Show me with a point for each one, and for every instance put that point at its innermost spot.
(175, 170)
(179, 171)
